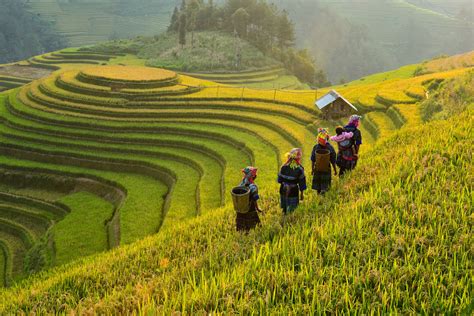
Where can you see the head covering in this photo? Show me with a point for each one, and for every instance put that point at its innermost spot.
(354, 120)
(294, 158)
(323, 136)
(249, 174)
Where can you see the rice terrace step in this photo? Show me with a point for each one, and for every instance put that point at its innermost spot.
(118, 161)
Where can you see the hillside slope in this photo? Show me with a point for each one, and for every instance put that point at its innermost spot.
(98, 155)
(394, 236)
(380, 241)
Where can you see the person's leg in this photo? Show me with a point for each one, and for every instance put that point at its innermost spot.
(316, 185)
(342, 171)
(283, 204)
(325, 182)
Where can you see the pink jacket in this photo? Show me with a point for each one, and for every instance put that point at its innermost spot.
(340, 138)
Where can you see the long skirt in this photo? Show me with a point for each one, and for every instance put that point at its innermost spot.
(345, 165)
(321, 181)
(247, 221)
(288, 203)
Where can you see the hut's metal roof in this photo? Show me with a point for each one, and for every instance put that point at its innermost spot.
(329, 98)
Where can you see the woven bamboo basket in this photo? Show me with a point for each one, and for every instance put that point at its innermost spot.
(241, 199)
(322, 163)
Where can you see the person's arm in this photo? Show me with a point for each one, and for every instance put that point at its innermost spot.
(333, 160)
(313, 160)
(358, 141)
(356, 148)
(255, 197)
(302, 184)
(280, 178)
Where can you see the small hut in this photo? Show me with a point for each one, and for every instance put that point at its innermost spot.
(333, 105)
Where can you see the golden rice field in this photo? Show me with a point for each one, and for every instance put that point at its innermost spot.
(114, 183)
(119, 73)
(448, 63)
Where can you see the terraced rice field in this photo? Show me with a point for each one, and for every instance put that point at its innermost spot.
(241, 78)
(130, 151)
(381, 91)
(10, 82)
(449, 63)
(57, 60)
(139, 148)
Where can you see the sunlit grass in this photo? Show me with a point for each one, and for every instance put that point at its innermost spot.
(367, 246)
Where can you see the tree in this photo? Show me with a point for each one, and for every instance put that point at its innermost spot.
(174, 24)
(182, 29)
(240, 20)
(211, 16)
(260, 23)
(192, 9)
(285, 30)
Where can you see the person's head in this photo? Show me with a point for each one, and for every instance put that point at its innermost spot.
(340, 130)
(250, 173)
(354, 120)
(294, 157)
(323, 136)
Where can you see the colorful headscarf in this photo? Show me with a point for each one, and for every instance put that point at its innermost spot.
(294, 158)
(323, 136)
(249, 174)
(354, 120)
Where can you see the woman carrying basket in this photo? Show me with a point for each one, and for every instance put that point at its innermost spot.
(323, 157)
(292, 180)
(249, 220)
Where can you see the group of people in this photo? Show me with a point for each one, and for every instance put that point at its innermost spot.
(292, 176)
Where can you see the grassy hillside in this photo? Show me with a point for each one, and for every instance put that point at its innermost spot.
(381, 241)
(212, 58)
(98, 156)
(212, 51)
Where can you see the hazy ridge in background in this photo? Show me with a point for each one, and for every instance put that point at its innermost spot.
(23, 34)
(353, 38)
(348, 38)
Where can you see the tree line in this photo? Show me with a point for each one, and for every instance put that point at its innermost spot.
(262, 24)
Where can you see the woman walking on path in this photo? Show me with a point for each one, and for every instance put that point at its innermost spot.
(346, 155)
(293, 181)
(352, 127)
(247, 221)
(322, 173)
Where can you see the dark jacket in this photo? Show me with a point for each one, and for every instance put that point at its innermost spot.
(357, 138)
(292, 179)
